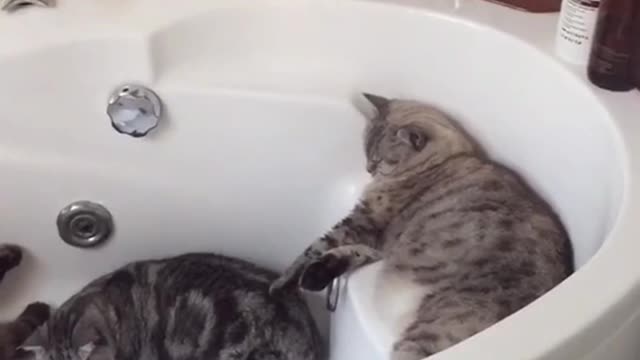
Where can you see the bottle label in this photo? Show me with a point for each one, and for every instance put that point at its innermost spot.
(576, 28)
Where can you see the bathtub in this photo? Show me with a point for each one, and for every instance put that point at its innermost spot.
(259, 149)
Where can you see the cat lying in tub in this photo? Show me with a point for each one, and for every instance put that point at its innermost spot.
(193, 306)
(465, 233)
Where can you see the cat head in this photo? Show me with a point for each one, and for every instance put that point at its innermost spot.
(52, 341)
(407, 136)
(86, 352)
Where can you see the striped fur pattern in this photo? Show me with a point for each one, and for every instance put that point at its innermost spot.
(465, 235)
(13, 334)
(194, 306)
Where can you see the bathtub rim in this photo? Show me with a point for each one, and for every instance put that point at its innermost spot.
(596, 316)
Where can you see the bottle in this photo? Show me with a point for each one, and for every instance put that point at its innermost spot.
(635, 57)
(534, 6)
(576, 26)
(610, 60)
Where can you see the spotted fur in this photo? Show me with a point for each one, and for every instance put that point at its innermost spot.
(194, 306)
(466, 236)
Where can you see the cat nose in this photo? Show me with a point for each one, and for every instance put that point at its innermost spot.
(371, 167)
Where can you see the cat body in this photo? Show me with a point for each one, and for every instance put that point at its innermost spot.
(14, 333)
(194, 306)
(471, 241)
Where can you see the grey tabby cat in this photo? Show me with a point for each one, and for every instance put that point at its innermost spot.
(16, 332)
(465, 232)
(194, 306)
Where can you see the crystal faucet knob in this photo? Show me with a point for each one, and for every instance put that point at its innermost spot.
(134, 110)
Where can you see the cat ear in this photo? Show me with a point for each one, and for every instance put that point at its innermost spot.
(38, 338)
(86, 330)
(379, 102)
(84, 336)
(412, 136)
(95, 352)
(86, 350)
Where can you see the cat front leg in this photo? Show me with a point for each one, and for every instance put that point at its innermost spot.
(336, 262)
(14, 334)
(33, 316)
(362, 226)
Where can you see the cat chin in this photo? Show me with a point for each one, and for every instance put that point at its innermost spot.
(385, 169)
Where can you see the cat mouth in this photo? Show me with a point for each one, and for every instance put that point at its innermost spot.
(372, 166)
(381, 167)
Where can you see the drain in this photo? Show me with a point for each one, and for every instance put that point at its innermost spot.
(84, 224)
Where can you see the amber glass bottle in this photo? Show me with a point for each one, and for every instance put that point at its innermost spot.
(610, 60)
(635, 58)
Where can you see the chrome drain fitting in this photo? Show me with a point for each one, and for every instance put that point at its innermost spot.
(84, 224)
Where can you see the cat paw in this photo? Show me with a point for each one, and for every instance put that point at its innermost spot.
(38, 311)
(320, 273)
(10, 256)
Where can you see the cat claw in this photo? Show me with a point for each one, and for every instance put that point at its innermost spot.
(287, 280)
(13, 5)
(274, 288)
(279, 286)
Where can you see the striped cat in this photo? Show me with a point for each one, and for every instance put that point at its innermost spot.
(13, 334)
(463, 235)
(194, 306)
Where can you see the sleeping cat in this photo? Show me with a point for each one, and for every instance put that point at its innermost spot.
(463, 232)
(194, 306)
(14, 333)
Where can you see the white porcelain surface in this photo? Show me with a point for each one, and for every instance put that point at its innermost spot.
(261, 149)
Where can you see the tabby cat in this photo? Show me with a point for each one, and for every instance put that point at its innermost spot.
(16, 332)
(194, 306)
(467, 235)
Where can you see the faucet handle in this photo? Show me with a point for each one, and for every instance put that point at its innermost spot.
(134, 110)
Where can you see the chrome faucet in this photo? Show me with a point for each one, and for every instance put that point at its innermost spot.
(13, 5)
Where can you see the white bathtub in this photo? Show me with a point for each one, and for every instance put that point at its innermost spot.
(260, 151)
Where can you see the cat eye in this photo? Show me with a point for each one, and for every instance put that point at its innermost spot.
(412, 136)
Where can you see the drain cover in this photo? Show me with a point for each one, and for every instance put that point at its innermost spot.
(84, 224)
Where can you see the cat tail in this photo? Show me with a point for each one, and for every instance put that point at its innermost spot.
(302, 334)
